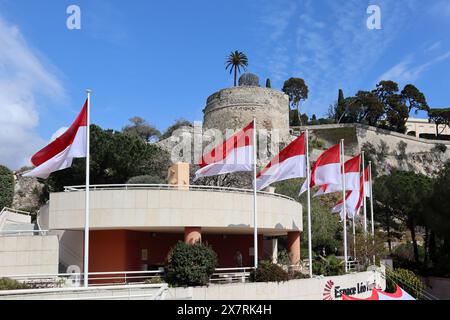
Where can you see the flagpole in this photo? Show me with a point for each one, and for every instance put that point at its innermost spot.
(308, 177)
(343, 203)
(364, 193)
(371, 207)
(86, 214)
(354, 237)
(255, 217)
(371, 198)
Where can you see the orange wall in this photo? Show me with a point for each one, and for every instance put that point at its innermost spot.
(120, 250)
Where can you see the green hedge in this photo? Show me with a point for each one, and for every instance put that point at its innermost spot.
(190, 265)
(10, 284)
(406, 279)
(6, 187)
(269, 272)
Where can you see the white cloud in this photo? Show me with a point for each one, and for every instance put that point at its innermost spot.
(406, 71)
(331, 47)
(22, 78)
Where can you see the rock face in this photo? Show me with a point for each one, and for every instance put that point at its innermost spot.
(389, 149)
(27, 192)
(233, 108)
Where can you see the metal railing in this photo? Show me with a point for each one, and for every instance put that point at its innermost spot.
(75, 279)
(6, 209)
(171, 187)
(12, 233)
(229, 275)
(92, 293)
(100, 279)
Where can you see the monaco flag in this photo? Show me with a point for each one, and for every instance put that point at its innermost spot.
(327, 169)
(58, 155)
(288, 164)
(233, 155)
(353, 201)
(352, 177)
(366, 184)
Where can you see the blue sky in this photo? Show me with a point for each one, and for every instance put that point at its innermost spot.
(162, 59)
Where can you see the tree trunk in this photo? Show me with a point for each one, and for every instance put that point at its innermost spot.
(299, 117)
(388, 229)
(432, 244)
(413, 237)
(235, 77)
(426, 244)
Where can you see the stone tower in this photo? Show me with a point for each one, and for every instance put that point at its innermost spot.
(233, 108)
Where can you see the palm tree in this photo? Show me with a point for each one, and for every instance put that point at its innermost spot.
(235, 61)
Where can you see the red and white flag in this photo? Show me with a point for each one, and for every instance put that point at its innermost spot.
(352, 177)
(353, 201)
(288, 164)
(233, 155)
(366, 184)
(327, 169)
(58, 155)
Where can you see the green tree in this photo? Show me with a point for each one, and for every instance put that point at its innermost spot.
(268, 83)
(297, 90)
(6, 187)
(177, 125)
(404, 196)
(235, 61)
(395, 108)
(414, 99)
(140, 128)
(439, 117)
(115, 158)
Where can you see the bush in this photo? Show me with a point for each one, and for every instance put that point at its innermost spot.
(145, 179)
(154, 280)
(269, 272)
(440, 147)
(6, 187)
(329, 266)
(190, 265)
(10, 284)
(405, 279)
(401, 155)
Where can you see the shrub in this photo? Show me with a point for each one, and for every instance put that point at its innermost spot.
(154, 280)
(6, 187)
(405, 279)
(268, 83)
(190, 265)
(269, 272)
(10, 284)
(146, 179)
(330, 266)
(401, 155)
(383, 151)
(440, 147)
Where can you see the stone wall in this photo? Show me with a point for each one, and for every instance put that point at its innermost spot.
(421, 154)
(233, 108)
(28, 255)
(318, 288)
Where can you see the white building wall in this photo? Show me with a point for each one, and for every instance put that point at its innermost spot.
(28, 255)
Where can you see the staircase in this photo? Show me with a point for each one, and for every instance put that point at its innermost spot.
(14, 222)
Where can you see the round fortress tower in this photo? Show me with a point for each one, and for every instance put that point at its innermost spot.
(233, 108)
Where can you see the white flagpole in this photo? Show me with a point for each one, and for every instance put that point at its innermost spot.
(308, 177)
(364, 192)
(371, 198)
(354, 237)
(343, 203)
(371, 207)
(86, 214)
(255, 217)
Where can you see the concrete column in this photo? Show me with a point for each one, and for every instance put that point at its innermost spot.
(192, 235)
(294, 246)
(178, 175)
